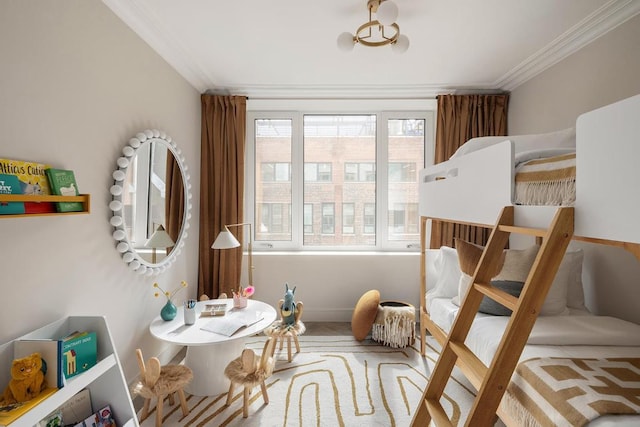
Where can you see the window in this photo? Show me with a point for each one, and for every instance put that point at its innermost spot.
(276, 172)
(317, 172)
(336, 181)
(328, 218)
(348, 218)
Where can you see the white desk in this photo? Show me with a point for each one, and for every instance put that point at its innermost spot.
(209, 353)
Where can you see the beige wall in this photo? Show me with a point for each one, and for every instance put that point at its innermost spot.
(603, 72)
(606, 71)
(75, 85)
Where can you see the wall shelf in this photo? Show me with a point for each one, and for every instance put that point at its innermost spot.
(85, 199)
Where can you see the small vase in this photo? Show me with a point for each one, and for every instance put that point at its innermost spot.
(169, 311)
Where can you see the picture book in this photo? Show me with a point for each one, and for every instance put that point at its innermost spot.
(51, 354)
(63, 183)
(54, 419)
(9, 184)
(79, 353)
(33, 181)
(73, 411)
(12, 412)
(229, 325)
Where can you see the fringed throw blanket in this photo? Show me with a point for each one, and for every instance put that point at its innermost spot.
(395, 324)
(548, 181)
(572, 392)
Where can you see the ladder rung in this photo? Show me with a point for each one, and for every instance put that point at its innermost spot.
(437, 413)
(498, 295)
(472, 367)
(539, 232)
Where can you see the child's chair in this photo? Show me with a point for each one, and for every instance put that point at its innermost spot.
(248, 370)
(282, 329)
(160, 381)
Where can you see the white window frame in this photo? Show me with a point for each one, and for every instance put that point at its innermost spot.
(384, 110)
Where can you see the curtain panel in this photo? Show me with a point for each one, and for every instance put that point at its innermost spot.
(460, 118)
(221, 190)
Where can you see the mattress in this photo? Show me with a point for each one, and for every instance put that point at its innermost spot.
(584, 335)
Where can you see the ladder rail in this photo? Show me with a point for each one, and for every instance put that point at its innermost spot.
(489, 262)
(492, 382)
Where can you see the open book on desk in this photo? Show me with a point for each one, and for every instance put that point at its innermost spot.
(232, 323)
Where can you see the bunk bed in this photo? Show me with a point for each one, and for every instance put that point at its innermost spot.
(483, 175)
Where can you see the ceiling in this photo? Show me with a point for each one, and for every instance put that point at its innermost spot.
(287, 48)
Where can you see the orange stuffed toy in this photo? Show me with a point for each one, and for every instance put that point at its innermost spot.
(27, 379)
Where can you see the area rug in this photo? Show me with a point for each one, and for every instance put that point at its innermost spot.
(333, 381)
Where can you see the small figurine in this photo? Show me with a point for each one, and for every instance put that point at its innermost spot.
(289, 310)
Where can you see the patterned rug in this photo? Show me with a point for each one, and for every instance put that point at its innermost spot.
(333, 381)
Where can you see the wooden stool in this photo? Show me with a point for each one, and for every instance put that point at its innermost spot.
(249, 371)
(281, 330)
(160, 381)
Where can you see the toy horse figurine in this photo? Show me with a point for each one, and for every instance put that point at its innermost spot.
(289, 310)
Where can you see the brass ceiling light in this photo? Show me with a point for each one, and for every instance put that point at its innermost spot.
(375, 33)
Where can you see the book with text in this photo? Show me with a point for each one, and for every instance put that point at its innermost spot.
(79, 352)
(229, 325)
(33, 181)
(12, 412)
(63, 183)
(9, 184)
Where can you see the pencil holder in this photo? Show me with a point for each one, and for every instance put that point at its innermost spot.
(239, 301)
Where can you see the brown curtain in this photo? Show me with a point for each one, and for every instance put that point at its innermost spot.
(221, 190)
(460, 118)
(174, 198)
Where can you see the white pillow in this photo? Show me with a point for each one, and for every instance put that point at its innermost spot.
(433, 260)
(575, 290)
(565, 138)
(448, 274)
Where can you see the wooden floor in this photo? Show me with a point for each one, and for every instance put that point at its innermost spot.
(328, 328)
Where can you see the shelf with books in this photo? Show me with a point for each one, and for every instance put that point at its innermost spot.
(105, 380)
(85, 199)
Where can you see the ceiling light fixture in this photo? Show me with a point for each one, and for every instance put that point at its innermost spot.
(373, 33)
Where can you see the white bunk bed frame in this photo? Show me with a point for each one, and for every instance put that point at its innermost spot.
(474, 189)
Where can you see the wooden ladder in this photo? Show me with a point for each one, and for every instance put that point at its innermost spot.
(492, 382)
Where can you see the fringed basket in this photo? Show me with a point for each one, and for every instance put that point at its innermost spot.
(395, 324)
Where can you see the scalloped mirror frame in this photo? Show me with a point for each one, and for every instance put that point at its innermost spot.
(123, 245)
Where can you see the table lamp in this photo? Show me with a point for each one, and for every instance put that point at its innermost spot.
(159, 239)
(226, 240)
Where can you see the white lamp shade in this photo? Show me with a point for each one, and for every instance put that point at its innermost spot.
(387, 12)
(225, 240)
(401, 45)
(159, 239)
(345, 41)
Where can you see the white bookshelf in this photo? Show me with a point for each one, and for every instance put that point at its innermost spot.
(105, 381)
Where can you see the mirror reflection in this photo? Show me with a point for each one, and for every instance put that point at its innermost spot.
(145, 201)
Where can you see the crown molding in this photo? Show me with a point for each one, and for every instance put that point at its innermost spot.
(160, 39)
(148, 27)
(603, 20)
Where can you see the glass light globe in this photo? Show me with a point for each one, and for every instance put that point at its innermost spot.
(401, 45)
(387, 12)
(345, 41)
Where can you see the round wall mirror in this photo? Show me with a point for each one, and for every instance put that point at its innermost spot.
(151, 202)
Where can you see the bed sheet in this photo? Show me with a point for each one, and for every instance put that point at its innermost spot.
(623, 339)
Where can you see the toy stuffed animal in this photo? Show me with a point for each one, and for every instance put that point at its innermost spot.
(289, 310)
(27, 379)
